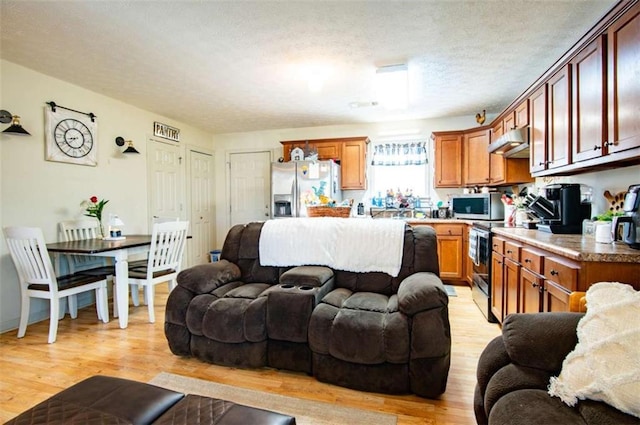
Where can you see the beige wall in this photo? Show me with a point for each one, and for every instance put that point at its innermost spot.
(35, 192)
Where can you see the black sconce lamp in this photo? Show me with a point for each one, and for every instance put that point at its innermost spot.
(130, 149)
(15, 128)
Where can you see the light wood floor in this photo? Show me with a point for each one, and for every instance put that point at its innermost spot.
(32, 370)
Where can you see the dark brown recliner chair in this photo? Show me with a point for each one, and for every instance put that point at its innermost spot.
(368, 331)
(514, 371)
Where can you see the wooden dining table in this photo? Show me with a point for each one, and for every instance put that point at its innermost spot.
(120, 251)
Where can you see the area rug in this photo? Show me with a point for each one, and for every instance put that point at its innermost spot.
(451, 290)
(306, 412)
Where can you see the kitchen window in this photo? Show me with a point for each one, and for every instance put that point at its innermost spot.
(399, 165)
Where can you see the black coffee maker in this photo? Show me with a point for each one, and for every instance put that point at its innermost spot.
(562, 210)
(630, 221)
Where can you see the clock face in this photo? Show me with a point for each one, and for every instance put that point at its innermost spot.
(73, 138)
(70, 138)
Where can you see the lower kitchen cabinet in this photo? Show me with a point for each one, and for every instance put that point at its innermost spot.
(528, 279)
(451, 249)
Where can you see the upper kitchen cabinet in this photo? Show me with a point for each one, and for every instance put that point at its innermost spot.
(448, 154)
(559, 119)
(538, 130)
(589, 102)
(522, 114)
(624, 84)
(350, 152)
(476, 157)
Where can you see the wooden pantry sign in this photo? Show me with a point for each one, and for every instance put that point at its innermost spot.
(166, 132)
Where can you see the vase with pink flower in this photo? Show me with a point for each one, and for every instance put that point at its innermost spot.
(94, 208)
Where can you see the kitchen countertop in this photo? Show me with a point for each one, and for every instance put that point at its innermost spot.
(576, 247)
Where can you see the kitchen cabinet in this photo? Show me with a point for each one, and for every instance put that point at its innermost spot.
(589, 102)
(462, 159)
(448, 159)
(559, 119)
(522, 114)
(497, 278)
(530, 279)
(468, 261)
(476, 158)
(623, 38)
(450, 250)
(350, 152)
(538, 130)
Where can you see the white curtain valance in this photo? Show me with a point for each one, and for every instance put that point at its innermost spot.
(402, 153)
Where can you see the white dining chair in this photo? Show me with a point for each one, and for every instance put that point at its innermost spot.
(77, 230)
(165, 258)
(38, 280)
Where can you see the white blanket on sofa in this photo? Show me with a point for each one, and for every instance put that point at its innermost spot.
(356, 245)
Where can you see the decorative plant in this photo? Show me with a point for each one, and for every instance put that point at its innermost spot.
(608, 216)
(94, 209)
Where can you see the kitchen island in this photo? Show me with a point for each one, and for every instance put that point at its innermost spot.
(534, 271)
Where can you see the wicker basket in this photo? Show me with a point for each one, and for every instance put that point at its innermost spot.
(323, 211)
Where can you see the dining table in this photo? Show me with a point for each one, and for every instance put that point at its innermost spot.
(120, 250)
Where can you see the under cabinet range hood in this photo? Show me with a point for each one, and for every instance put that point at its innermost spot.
(512, 144)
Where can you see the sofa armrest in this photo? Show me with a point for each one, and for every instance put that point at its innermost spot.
(540, 340)
(421, 291)
(204, 278)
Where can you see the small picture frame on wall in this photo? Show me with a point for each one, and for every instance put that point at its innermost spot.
(166, 131)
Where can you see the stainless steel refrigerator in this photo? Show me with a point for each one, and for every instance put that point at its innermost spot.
(292, 182)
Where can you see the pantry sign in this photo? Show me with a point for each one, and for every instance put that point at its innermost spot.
(166, 132)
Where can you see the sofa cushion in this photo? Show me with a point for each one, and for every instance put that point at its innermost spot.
(532, 407)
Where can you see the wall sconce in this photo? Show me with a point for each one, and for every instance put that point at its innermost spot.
(15, 128)
(130, 149)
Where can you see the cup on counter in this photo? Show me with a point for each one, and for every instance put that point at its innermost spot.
(603, 232)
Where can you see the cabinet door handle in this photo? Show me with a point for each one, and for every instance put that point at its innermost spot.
(554, 273)
(535, 285)
(596, 147)
(509, 251)
(527, 260)
(609, 143)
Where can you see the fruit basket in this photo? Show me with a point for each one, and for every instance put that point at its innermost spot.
(325, 211)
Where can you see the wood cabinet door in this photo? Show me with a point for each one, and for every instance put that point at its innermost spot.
(589, 101)
(522, 114)
(509, 123)
(476, 158)
(327, 150)
(559, 119)
(497, 168)
(450, 257)
(555, 298)
(448, 165)
(624, 81)
(353, 165)
(530, 292)
(512, 286)
(497, 286)
(538, 130)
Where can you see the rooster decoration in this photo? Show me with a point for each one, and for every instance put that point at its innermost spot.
(480, 118)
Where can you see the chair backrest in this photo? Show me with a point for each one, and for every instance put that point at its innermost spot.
(79, 230)
(167, 246)
(30, 256)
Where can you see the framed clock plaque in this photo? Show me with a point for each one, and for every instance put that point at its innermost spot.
(70, 136)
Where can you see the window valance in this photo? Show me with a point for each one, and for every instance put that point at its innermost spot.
(402, 153)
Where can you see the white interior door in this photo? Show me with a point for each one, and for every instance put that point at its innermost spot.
(165, 176)
(249, 187)
(202, 191)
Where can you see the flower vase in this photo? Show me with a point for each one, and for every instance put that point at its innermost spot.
(101, 228)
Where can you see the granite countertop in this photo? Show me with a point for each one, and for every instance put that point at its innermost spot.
(576, 247)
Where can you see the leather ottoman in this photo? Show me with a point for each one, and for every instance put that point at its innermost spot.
(106, 400)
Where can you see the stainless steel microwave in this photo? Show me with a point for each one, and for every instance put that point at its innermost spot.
(478, 206)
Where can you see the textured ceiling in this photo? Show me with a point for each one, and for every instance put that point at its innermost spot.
(232, 66)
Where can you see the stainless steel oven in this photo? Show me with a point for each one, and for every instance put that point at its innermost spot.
(480, 253)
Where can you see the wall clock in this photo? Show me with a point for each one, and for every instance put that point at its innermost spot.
(70, 137)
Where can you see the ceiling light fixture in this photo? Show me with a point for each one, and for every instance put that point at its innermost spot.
(392, 86)
(15, 128)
